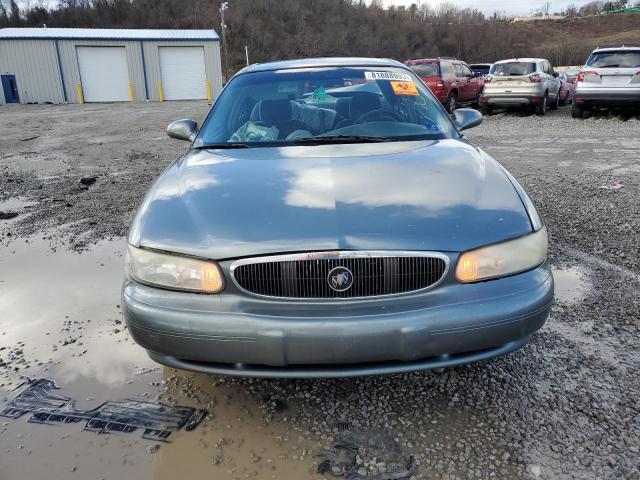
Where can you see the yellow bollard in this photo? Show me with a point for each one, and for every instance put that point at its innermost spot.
(208, 84)
(160, 92)
(79, 93)
(131, 95)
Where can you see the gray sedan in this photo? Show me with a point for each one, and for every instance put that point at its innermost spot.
(328, 220)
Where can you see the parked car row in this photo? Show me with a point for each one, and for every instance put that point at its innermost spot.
(610, 78)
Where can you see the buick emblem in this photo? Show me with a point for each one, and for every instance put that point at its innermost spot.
(340, 279)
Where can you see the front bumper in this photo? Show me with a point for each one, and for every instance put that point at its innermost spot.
(237, 334)
(608, 97)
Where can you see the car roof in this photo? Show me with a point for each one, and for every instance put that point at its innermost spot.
(415, 61)
(621, 47)
(322, 62)
(532, 60)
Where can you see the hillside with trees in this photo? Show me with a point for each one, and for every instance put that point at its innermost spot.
(280, 29)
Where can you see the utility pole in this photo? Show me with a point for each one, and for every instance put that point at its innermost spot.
(223, 25)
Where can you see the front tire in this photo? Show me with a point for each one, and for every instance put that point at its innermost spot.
(541, 108)
(486, 109)
(452, 102)
(556, 103)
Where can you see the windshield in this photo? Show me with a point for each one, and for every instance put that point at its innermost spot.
(324, 105)
(483, 69)
(513, 68)
(426, 69)
(615, 59)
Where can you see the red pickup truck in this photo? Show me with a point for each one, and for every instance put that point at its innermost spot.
(451, 80)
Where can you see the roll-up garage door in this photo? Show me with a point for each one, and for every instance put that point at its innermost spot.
(104, 74)
(182, 72)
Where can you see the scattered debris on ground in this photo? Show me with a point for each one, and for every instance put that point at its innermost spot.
(121, 416)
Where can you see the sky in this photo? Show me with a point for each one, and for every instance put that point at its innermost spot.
(512, 8)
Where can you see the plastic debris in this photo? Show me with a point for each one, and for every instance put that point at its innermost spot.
(613, 185)
(370, 455)
(8, 215)
(120, 416)
(88, 180)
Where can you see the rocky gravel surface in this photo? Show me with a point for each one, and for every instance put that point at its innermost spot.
(564, 406)
(86, 169)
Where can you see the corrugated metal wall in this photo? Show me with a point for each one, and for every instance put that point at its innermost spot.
(35, 65)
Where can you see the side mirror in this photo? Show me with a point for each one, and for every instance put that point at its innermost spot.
(185, 129)
(556, 74)
(465, 118)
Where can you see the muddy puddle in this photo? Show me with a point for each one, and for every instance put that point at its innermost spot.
(60, 319)
(572, 284)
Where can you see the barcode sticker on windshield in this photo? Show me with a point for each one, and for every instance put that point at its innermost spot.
(402, 77)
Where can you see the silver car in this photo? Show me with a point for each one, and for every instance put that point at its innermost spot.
(329, 219)
(610, 78)
(521, 82)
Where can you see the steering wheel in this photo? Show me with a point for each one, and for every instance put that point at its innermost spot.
(379, 114)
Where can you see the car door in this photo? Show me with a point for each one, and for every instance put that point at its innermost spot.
(554, 81)
(448, 76)
(473, 82)
(461, 82)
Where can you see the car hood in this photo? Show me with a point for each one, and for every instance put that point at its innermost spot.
(429, 195)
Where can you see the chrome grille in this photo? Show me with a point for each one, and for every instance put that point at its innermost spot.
(305, 275)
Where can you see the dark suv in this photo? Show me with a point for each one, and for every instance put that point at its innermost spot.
(451, 80)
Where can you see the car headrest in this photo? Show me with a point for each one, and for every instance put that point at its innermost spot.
(272, 111)
(342, 106)
(362, 103)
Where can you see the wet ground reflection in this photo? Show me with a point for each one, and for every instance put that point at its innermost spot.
(60, 319)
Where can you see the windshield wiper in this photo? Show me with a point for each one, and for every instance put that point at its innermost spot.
(213, 146)
(341, 139)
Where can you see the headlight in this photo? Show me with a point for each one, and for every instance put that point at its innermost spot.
(503, 259)
(173, 271)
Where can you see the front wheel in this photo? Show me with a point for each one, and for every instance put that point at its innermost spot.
(452, 103)
(541, 108)
(486, 109)
(556, 103)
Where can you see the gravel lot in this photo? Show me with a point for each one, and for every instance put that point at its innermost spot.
(565, 406)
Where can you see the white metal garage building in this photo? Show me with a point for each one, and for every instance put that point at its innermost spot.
(78, 65)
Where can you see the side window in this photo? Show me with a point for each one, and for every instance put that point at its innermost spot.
(459, 72)
(466, 71)
(445, 69)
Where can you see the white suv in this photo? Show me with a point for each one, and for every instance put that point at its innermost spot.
(610, 78)
(521, 82)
